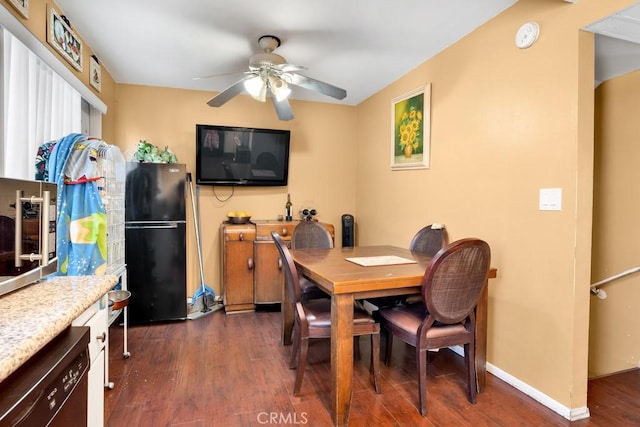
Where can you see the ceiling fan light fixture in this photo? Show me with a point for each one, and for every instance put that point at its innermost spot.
(256, 87)
(279, 88)
(262, 96)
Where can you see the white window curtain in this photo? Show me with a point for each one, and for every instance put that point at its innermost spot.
(39, 106)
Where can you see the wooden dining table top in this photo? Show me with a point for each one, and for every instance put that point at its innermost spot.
(330, 269)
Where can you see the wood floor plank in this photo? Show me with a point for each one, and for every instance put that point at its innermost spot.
(232, 371)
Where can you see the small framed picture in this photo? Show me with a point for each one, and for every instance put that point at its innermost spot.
(21, 6)
(411, 129)
(63, 39)
(95, 73)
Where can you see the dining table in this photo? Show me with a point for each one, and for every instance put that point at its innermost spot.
(360, 272)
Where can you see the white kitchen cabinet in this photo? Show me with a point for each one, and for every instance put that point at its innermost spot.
(95, 397)
(96, 318)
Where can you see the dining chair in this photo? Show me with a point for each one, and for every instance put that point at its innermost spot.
(313, 320)
(307, 235)
(430, 239)
(451, 288)
(310, 234)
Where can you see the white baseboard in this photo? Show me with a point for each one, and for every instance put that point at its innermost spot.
(568, 413)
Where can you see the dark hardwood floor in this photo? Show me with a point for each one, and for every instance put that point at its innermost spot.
(224, 370)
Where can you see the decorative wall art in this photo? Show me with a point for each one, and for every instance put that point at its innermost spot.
(411, 129)
(21, 6)
(60, 36)
(95, 73)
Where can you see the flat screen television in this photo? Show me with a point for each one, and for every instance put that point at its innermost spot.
(241, 156)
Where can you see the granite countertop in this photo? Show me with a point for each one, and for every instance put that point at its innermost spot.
(34, 315)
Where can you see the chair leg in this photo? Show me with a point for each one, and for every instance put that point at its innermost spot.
(375, 361)
(302, 363)
(421, 357)
(295, 348)
(356, 347)
(387, 352)
(469, 355)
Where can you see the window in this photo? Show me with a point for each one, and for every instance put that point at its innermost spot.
(39, 106)
(97, 108)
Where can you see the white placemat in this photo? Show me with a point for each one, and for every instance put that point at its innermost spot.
(370, 261)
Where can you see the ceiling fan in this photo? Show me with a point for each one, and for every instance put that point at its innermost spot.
(270, 74)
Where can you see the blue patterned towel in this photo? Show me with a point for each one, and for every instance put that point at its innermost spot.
(82, 221)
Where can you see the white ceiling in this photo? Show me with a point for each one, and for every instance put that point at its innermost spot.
(359, 45)
(617, 43)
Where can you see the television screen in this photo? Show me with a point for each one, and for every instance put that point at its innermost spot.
(241, 156)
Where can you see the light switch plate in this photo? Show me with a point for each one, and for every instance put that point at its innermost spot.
(551, 199)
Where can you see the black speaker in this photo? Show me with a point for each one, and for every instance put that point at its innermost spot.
(348, 231)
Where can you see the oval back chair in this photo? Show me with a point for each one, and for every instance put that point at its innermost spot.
(430, 239)
(451, 288)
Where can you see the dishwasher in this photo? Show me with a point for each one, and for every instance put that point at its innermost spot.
(50, 388)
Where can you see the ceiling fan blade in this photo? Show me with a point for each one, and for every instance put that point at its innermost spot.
(289, 68)
(283, 109)
(316, 85)
(233, 90)
(210, 76)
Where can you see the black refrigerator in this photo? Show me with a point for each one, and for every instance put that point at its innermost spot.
(155, 242)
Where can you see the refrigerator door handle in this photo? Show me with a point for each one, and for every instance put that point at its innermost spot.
(146, 227)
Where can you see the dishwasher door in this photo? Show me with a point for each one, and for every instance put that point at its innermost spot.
(49, 389)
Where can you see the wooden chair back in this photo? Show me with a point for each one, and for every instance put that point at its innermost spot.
(291, 278)
(454, 280)
(430, 239)
(310, 234)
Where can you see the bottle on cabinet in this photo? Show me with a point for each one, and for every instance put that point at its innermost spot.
(287, 209)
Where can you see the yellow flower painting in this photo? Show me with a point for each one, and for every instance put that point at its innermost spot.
(411, 129)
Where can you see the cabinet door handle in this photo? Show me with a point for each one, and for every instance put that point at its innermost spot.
(250, 263)
(279, 264)
(241, 237)
(284, 231)
(102, 337)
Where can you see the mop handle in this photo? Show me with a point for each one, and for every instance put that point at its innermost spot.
(197, 228)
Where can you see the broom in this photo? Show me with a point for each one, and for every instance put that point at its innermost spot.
(203, 300)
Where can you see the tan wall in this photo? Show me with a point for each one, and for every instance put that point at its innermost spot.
(613, 340)
(37, 24)
(321, 165)
(505, 123)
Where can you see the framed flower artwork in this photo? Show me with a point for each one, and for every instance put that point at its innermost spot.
(63, 39)
(95, 73)
(411, 129)
(21, 6)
